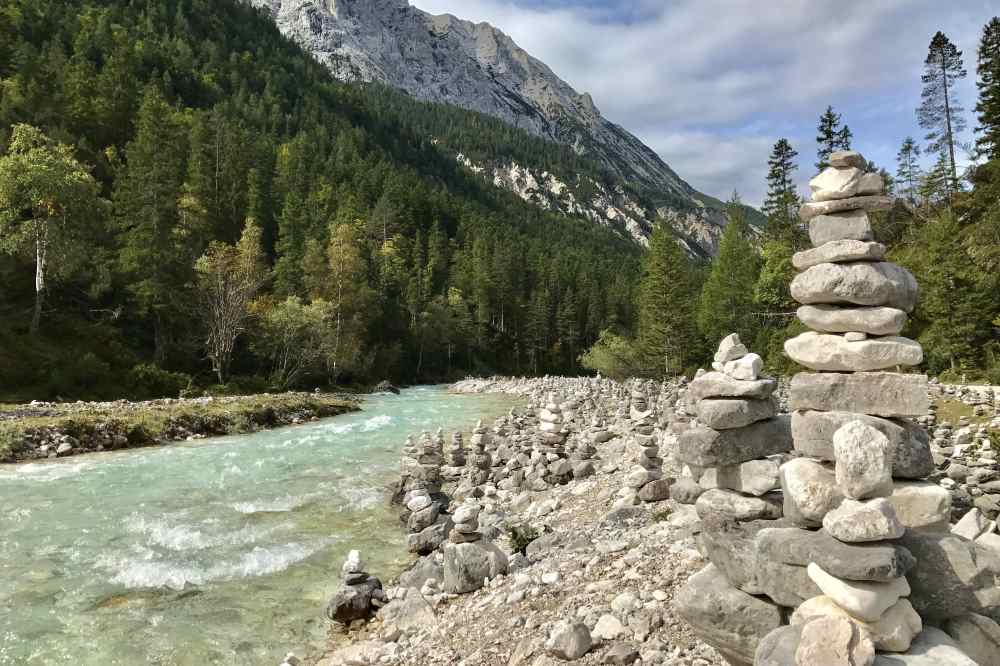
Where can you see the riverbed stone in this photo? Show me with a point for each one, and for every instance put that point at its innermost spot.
(686, 490)
(921, 505)
(705, 447)
(778, 647)
(467, 565)
(931, 647)
(725, 503)
(810, 491)
(833, 183)
(569, 641)
(875, 562)
(754, 477)
(729, 413)
(730, 546)
(839, 251)
(861, 522)
(863, 461)
(862, 599)
(746, 368)
(355, 602)
(835, 641)
(886, 394)
(787, 585)
(731, 621)
(834, 353)
(867, 203)
(874, 320)
(893, 632)
(427, 541)
(879, 283)
(813, 432)
(978, 637)
(721, 385)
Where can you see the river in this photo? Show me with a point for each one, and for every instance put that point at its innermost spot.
(220, 551)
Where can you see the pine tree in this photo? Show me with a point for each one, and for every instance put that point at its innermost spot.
(939, 112)
(830, 137)
(988, 105)
(908, 169)
(782, 202)
(668, 335)
(935, 186)
(726, 304)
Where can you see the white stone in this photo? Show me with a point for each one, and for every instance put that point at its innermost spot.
(810, 491)
(879, 283)
(837, 319)
(855, 336)
(921, 505)
(746, 368)
(893, 632)
(833, 183)
(853, 225)
(834, 353)
(730, 349)
(871, 184)
(353, 564)
(839, 251)
(971, 525)
(863, 599)
(861, 522)
(845, 159)
(608, 628)
(863, 461)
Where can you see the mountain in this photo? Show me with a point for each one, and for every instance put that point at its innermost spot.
(477, 67)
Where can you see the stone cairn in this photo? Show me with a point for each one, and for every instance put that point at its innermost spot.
(359, 596)
(858, 587)
(470, 559)
(455, 456)
(644, 482)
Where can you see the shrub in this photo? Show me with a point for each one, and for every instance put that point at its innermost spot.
(151, 381)
(520, 536)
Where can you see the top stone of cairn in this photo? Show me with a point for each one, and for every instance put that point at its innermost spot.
(845, 159)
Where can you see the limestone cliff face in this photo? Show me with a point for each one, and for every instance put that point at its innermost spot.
(477, 67)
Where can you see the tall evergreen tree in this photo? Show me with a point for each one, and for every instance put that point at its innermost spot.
(988, 105)
(831, 136)
(668, 335)
(726, 304)
(782, 202)
(908, 169)
(939, 112)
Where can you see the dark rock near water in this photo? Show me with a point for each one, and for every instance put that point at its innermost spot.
(355, 602)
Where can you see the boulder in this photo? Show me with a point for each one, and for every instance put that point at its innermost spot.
(837, 226)
(467, 565)
(832, 183)
(858, 283)
(754, 477)
(685, 490)
(860, 522)
(428, 540)
(787, 585)
(409, 612)
(655, 491)
(931, 647)
(810, 491)
(705, 447)
(726, 504)
(893, 632)
(862, 599)
(875, 320)
(886, 394)
(746, 368)
(875, 562)
(420, 572)
(922, 505)
(868, 203)
(730, 349)
(834, 353)
(355, 602)
(730, 546)
(863, 461)
(834, 640)
(721, 385)
(729, 413)
(838, 251)
(813, 433)
(952, 576)
(569, 641)
(977, 636)
(731, 621)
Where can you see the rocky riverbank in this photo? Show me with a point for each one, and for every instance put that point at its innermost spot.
(42, 430)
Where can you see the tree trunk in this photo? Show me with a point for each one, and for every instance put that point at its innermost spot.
(951, 139)
(41, 256)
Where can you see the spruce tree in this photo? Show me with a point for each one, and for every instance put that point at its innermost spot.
(939, 112)
(830, 137)
(668, 335)
(782, 202)
(726, 305)
(908, 169)
(988, 105)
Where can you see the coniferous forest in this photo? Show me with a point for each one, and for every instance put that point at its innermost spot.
(188, 200)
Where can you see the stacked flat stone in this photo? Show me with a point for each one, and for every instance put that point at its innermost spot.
(430, 458)
(582, 456)
(644, 482)
(480, 461)
(359, 594)
(456, 451)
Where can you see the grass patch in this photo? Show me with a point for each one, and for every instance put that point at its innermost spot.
(953, 410)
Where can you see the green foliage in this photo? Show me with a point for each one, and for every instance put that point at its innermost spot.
(149, 381)
(988, 106)
(521, 537)
(831, 136)
(782, 202)
(939, 112)
(614, 356)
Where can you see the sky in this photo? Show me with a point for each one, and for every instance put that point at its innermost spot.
(712, 84)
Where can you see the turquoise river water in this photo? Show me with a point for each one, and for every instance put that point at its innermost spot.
(221, 551)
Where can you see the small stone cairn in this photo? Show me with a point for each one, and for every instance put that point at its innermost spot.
(359, 596)
(470, 559)
(644, 482)
(455, 457)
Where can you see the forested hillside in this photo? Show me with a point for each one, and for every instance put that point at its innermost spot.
(186, 198)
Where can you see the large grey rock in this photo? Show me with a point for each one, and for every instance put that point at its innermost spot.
(813, 433)
(420, 572)
(810, 491)
(355, 602)
(730, 546)
(834, 353)
(863, 461)
(877, 562)
(731, 621)
(862, 522)
(862, 599)
(730, 349)
(887, 394)
(726, 414)
(428, 540)
(685, 490)
(788, 585)
(835, 641)
(952, 576)
(411, 611)
(727, 504)
(922, 506)
(847, 225)
(467, 565)
(977, 636)
(778, 647)
(754, 477)
(721, 385)
(868, 203)
(874, 320)
(569, 641)
(931, 647)
(833, 183)
(843, 159)
(859, 283)
(705, 447)
(838, 251)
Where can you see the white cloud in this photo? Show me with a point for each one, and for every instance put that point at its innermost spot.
(714, 78)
